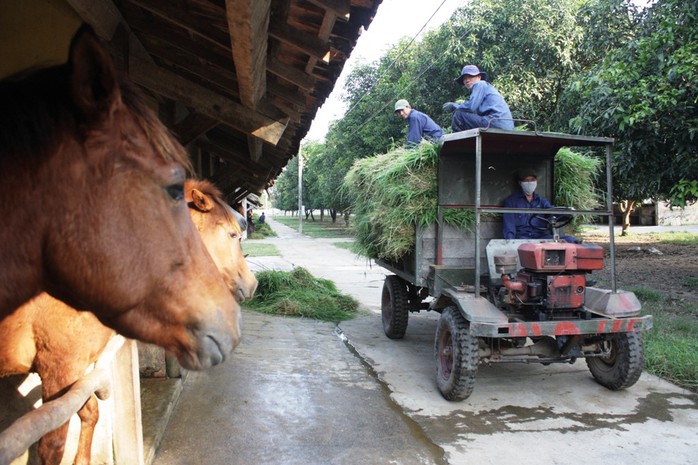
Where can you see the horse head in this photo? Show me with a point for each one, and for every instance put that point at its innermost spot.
(92, 200)
(221, 228)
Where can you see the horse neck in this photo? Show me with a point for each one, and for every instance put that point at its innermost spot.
(36, 200)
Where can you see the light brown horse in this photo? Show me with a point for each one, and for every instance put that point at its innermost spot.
(59, 343)
(93, 210)
(217, 222)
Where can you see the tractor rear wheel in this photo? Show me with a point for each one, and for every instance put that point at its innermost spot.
(622, 367)
(394, 307)
(457, 355)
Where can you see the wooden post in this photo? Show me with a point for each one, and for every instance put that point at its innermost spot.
(128, 428)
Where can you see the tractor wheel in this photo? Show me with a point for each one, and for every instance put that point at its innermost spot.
(394, 307)
(622, 367)
(457, 355)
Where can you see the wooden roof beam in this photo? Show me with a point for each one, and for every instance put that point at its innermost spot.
(207, 102)
(103, 16)
(290, 74)
(248, 23)
(340, 8)
(193, 126)
(306, 43)
(324, 33)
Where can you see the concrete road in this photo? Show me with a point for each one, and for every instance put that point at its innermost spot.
(297, 393)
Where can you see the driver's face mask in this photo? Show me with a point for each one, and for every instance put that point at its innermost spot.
(528, 187)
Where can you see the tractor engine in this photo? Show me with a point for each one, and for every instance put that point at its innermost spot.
(552, 277)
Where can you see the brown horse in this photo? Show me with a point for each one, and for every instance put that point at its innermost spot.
(59, 343)
(93, 211)
(213, 217)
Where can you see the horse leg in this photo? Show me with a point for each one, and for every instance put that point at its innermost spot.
(52, 444)
(89, 414)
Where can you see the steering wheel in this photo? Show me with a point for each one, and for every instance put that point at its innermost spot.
(552, 221)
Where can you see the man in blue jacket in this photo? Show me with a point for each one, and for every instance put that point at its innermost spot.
(419, 125)
(485, 108)
(518, 225)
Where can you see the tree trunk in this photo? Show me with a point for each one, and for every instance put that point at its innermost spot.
(626, 208)
(333, 215)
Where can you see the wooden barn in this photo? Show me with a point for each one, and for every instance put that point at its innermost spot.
(238, 82)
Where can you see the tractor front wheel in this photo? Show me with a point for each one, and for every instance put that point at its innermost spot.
(622, 367)
(457, 355)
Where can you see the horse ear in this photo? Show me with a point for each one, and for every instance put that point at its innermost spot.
(94, 85)
(201, 201)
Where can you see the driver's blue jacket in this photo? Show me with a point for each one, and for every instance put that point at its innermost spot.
(516, 224)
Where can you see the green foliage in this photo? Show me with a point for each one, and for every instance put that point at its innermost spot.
(285, 192)
(600, 67)
(298, 293)
(684, 193)
(644, 94)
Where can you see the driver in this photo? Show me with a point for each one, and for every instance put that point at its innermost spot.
(520, 225)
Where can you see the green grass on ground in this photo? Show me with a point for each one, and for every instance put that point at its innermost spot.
(298, 293)
(678, 237)
(671, 346)
(316, 228)
(344, 245)
(259, 249)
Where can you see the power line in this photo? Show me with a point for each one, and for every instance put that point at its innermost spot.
(397, 57)
(380, 110)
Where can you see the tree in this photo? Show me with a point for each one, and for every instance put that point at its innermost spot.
(285, 191)
(644, 94)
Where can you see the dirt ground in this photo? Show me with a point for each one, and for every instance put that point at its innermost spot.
(641, 261)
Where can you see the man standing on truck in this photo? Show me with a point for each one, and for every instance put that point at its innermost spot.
(419, 125)
(520, 225)
(485, 108)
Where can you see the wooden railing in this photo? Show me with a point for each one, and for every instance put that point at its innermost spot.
(115, 375)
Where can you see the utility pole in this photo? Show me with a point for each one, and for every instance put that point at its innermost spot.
(301, 211)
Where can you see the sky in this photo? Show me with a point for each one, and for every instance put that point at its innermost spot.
(394, 20)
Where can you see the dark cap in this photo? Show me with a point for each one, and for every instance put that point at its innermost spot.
(470, 70)
(523, 174)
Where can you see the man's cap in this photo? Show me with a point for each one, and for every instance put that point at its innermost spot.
(470, 70)
(400, 104)
(526, 173)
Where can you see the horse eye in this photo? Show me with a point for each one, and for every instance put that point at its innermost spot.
(176, 191)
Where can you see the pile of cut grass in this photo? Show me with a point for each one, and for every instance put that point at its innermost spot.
(261, 230)
(298, 293)
(576, 176)
(391, 194)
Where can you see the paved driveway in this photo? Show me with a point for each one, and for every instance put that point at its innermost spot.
(523, 414)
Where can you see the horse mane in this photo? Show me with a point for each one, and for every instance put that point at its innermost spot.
(36, 109)
(162, 138)
(209, 189)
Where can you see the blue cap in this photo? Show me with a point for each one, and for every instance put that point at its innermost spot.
(470, 70)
